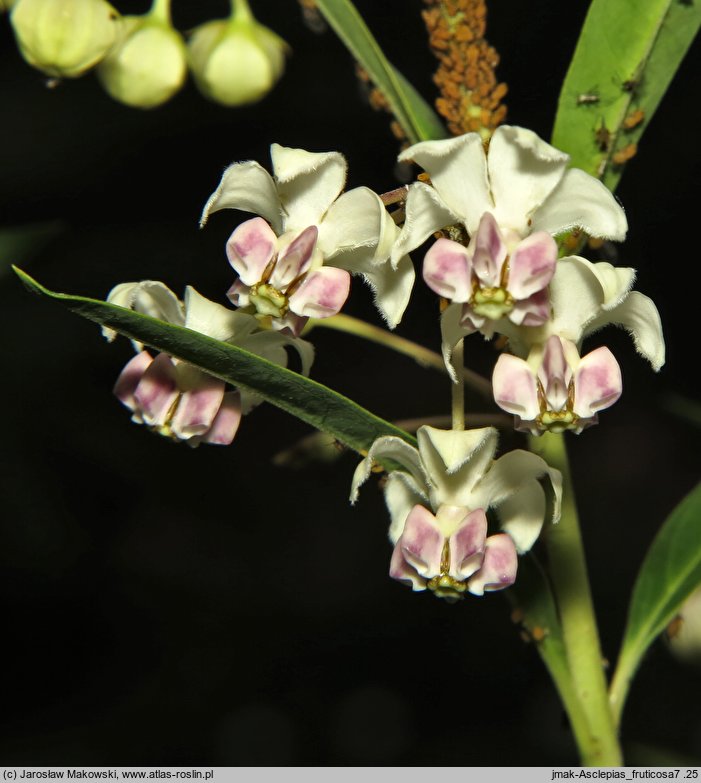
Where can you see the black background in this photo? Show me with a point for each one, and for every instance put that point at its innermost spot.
(163, 605)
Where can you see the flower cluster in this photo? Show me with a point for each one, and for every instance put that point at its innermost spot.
(496, 263)
(496, 216)
(143, 61)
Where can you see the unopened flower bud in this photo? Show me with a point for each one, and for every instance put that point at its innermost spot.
(238, 60)
(148, 65)
(64, 38)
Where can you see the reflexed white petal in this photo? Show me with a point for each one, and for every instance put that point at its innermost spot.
(498, 568)
(523, 171)
(597, 382)
(508, 475)
(638, 314)
(425, 214)
(148, 297)
(447, 270)
(402, 493)
(307, 183)
(394, 449)
(582, 201)
(515, 389)
(250, 249)
(458, 172)
(615, 281)
(522, 514)
(452, 331)
(210, 318)
(357, 218)
(391, 287)
(455, 461)
(249, 187)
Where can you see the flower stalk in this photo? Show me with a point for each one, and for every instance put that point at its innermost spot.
(424, 356)
(599, 745)
(458, 388)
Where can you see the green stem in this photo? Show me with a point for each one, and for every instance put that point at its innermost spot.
(457, 390)
(241, 11)
(599, 744)
(160, 11)
(424, 356)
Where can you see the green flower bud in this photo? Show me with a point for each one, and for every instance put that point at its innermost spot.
(149, 63)
(238, 60)
(64, 38)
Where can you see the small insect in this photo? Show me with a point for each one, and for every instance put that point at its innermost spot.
(633, 119)
(602, 136)
(624, 154)
(587, 99)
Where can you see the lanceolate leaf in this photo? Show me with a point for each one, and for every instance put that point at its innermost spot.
(669, 574)
(627, 54)
(417, 118)
(310, 401)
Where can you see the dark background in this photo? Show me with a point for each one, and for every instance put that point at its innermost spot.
(163, 605)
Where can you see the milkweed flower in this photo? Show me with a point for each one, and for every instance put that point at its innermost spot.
(438, 503)
(556, 390)
(296, 263)
(523, 182)
(176, 399)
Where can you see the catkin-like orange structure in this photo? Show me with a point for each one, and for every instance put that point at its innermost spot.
(471, 97)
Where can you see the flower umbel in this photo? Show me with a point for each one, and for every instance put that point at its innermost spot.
(438, 506)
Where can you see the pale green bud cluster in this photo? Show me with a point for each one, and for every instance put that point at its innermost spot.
(142, 61)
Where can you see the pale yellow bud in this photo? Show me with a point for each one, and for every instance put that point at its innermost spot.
(236, 61)
(147, 66)
(64, 38)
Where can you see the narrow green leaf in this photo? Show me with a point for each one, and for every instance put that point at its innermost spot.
(669, 574)
(627, 54)
(417, 118)
(304, 398)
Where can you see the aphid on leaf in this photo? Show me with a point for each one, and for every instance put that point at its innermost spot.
(625, 154)
(633, 119)
(602, 137)
(587, 99)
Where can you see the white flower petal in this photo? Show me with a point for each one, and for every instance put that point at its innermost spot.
(455, 461)
(637, 314)
(391, 287)
(249, 187)
(402, 493)
(582, 201)
(523, 171)
(425, 214)
(307, 183)
(207, 317)
(148, 297)
(392, 448)
(522, 514)
(452, 331)
(458, 172)
(356, 219)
